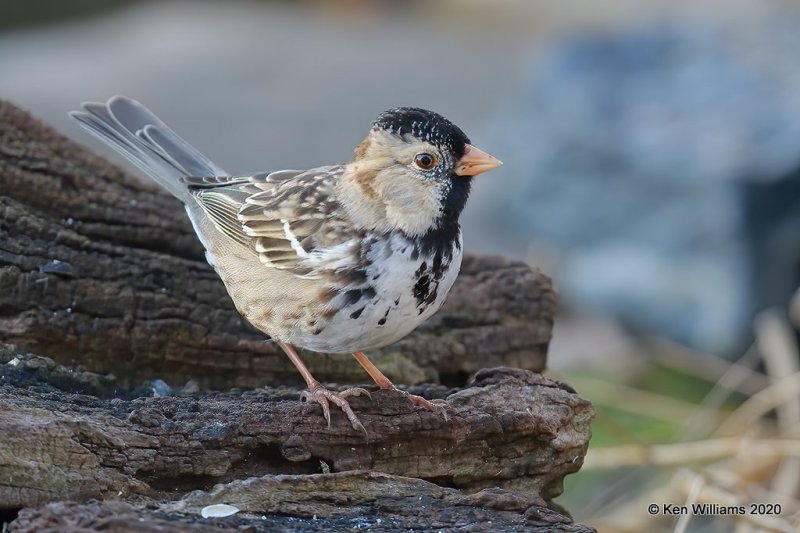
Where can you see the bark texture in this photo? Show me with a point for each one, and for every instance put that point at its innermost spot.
(103, 270)
(492, 511)
(501, 455)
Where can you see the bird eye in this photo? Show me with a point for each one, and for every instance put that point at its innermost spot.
(425, 161)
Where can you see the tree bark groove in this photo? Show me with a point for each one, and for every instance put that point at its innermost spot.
(509, 439)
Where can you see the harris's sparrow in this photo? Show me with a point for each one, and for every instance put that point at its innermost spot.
(341, 258)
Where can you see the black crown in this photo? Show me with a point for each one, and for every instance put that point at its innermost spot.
(425, 125)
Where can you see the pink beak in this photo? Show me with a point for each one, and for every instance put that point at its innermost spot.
(475, 161)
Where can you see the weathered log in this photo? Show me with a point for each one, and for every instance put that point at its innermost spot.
(103, 270)
(269, 454)
(428, 509)
(511, 428)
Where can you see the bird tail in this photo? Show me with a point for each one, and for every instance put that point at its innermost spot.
(143, 139)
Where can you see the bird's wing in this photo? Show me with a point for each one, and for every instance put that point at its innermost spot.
(287, 218)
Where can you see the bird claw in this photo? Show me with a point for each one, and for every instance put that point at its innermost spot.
(324, 397)
(355, 391)
(430, 405)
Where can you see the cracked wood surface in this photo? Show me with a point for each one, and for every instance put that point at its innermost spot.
(103, 270)
(511, 437)
(511, 428)
(360, 507)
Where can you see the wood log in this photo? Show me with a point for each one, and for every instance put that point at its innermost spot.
(501, 455)
(103, 270)
(490, 511)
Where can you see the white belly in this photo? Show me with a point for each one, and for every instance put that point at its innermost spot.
(399, 292)
(407, 291)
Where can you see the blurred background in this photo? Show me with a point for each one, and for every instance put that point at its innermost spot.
(652, 168)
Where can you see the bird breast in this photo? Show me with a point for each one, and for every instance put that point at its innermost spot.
(400, 287)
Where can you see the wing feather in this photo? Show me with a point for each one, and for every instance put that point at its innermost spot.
(287, 218)
(222, 210)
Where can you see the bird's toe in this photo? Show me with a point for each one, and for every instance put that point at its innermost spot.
(324, 397)
(437, 405)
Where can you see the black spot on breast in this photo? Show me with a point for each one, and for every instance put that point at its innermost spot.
(422, 289)
(382, 321)
(353, 296)
(355, 276)
(397, 302)
(433, 294)
(438, 269)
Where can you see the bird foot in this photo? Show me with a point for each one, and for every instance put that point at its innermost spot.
(431, 405)
(324, 397)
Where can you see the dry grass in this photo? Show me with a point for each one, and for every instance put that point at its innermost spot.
(728, 456)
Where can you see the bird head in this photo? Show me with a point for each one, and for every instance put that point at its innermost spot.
(413, 171)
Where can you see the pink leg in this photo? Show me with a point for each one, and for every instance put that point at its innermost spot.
(384, 383)
(319, 394)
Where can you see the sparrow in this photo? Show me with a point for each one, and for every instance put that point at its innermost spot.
(342, 258)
